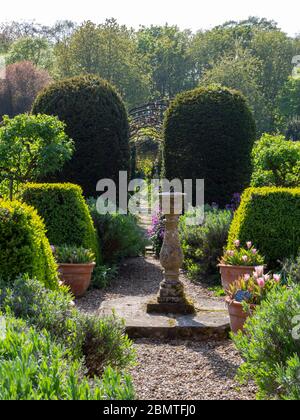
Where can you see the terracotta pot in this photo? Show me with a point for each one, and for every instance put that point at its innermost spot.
(237, 315)
(76, 276)
(232, 273)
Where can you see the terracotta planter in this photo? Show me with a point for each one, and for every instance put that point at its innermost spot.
(76, 276)
(237, 315)
(232, 273)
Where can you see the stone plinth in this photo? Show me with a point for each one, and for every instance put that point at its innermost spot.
(210, 321)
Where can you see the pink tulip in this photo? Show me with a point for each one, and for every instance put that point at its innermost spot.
(245, 258)
(261, 282)
(259, 271)
(230, 253)
(247, 277)
(237, 243)
(267, 277)
(254, 251)
(249, 245)
(277, 278)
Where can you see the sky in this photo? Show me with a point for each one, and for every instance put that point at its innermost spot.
(187, 14)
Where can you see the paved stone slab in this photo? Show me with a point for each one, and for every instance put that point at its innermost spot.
(210, 320)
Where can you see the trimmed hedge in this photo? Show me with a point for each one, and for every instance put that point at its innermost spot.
(24, 247)
(96, 119)
(209, 134)
(65, 213)
(270, 218)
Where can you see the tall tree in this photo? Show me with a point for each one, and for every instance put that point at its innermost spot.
(167, 50)
(36, 50)
(242, 72)
(110, 51)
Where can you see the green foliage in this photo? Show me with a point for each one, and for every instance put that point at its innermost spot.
(291, 269)
(269, 217)
(96, 119)
(101, 341)
(120, 236)
(203, 245)
(209, 134)
(103, 276)
(65, 213)
(36, 50)
(276, 162)
(292, 131)
(29, 364)
(24, 247)
(242, 256)
(32, 147)
(241, 71)
(67, 254)
(166, 50)
(110, 51)
(289, 98)
(33, 367)
(270, 347)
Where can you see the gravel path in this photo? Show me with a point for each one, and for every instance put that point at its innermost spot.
(177, 369)
(188, 371)
(137, 277)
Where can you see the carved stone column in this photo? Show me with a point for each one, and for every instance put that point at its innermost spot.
(171, 297)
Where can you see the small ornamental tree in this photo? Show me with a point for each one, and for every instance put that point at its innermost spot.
(96, 119)
(209, 134)
(32, 147)
(20, 87)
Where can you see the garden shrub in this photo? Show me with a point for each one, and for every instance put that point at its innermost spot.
(276, 162)
(269, 217)
(101, 341)
(203, 245)
(270, 346)
(120, 236)
(291, 269)
(96, 119)
(292, 131)
(209, 134)
(31, 146)
(34, 367)
(65, 213)
(24, 247)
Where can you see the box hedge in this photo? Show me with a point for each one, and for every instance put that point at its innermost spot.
(65, 213)
(270, 218)
(24, 247)
(208, 134)
(96, 119)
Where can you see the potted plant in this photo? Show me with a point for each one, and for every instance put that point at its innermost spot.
(75, 266)
(238, 262)
(245, 294)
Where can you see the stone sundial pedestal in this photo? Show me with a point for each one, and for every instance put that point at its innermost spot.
(171, 297)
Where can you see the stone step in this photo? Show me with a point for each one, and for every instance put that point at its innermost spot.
(210, 320)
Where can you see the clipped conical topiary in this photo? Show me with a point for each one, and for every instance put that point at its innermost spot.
(24, 247)
(97, 121)
(209, 134)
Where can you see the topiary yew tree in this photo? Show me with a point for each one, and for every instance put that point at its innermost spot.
(24, 247)
(209, 134)
(96, 120)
